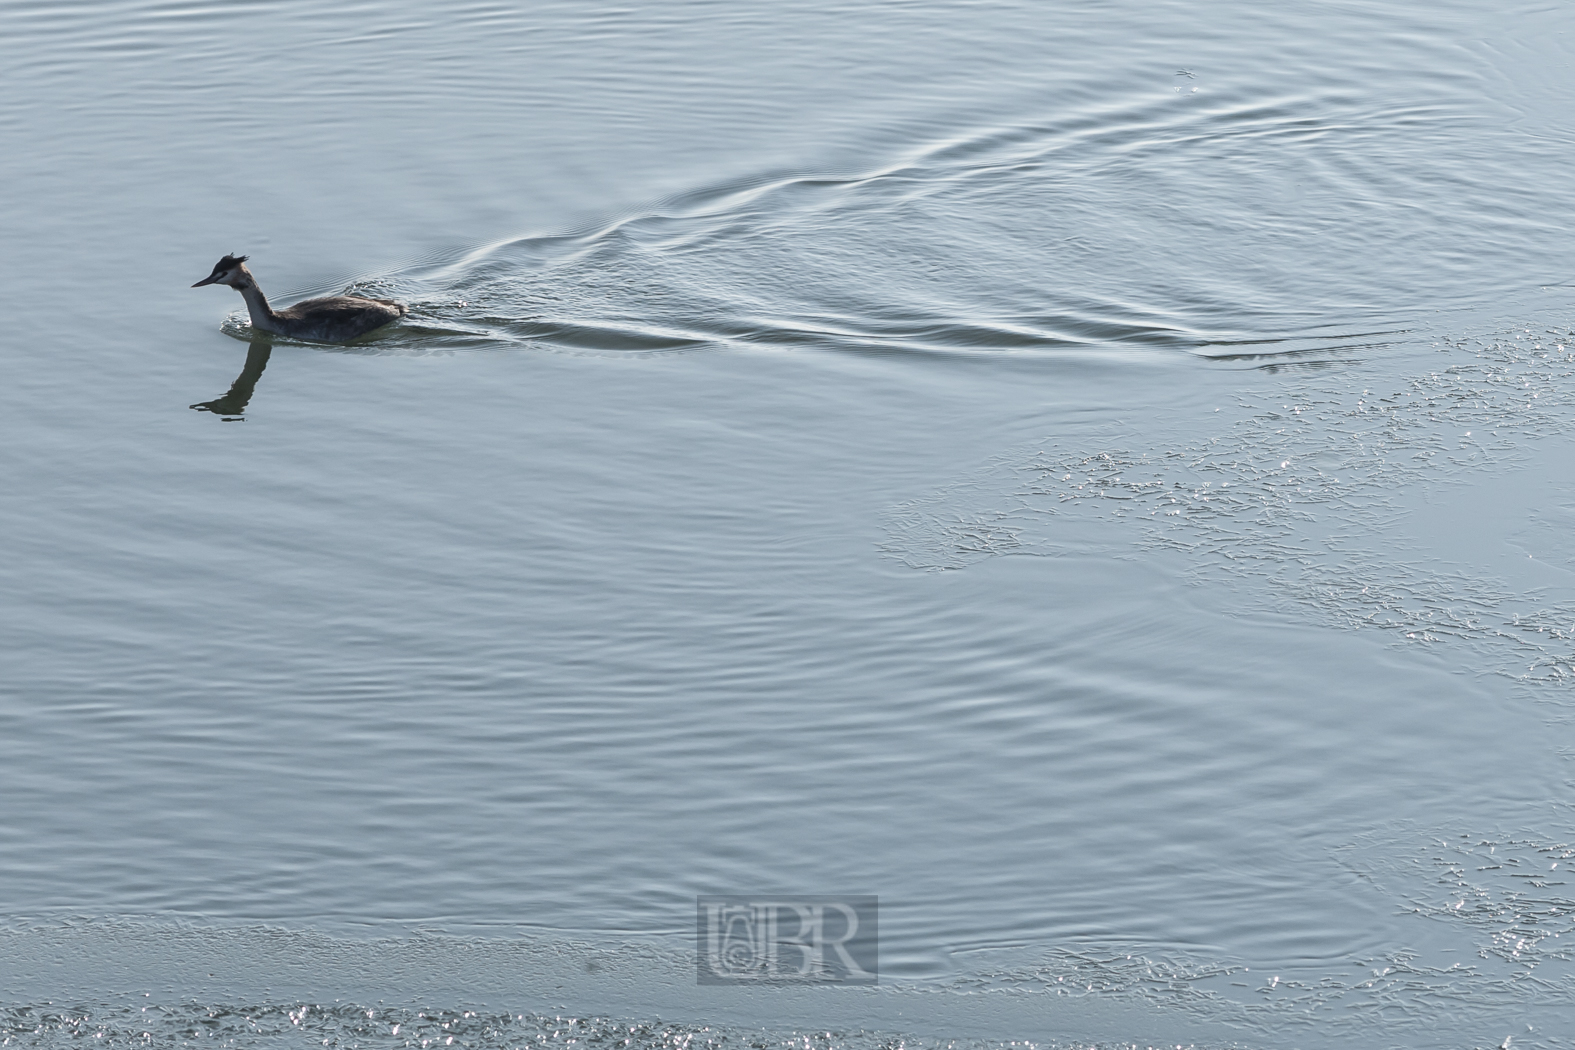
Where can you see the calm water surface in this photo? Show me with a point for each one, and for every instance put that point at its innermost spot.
(1093, 474)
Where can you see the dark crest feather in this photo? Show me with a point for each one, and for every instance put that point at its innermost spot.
(229, 262)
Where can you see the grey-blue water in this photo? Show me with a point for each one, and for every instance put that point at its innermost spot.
(1092, 474)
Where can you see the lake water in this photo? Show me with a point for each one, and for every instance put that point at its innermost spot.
(1095, 475)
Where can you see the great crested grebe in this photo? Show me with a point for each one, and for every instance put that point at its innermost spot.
(333, 319)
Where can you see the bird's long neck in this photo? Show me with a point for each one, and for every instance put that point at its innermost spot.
(256, 302)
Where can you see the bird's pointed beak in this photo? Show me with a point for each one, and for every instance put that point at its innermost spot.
(206, 280)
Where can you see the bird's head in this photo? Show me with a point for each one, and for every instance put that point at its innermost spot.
(228, 270)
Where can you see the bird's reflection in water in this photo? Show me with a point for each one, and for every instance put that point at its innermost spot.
(232, 404)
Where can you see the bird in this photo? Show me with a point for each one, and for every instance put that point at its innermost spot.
(332, 319)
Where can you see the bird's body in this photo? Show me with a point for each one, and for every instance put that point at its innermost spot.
(333, 319)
